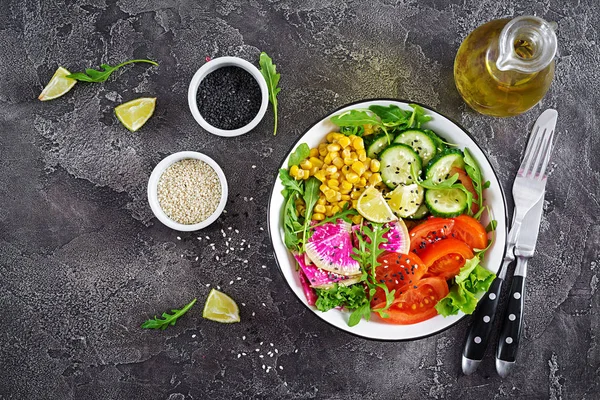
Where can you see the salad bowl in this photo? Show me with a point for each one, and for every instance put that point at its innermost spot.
(375, 329)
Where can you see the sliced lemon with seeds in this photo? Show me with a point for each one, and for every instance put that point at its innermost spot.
(405, 200)
(134, 114)
(221, 308)
(59, 85)
(373, 206)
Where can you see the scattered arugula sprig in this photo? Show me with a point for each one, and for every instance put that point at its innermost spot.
(92, 75)
(268, 71)
(167, 319)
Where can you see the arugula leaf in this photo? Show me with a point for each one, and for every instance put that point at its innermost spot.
(291, 223)
(361, 312)
(491, 226)
(301, 153)
(391, 115)
(289, 183)
(168, 319)
(311, 195)
(345, 215)
(355, 118)
(269, 72)
(92, 75)
(418, 116)
(474, 172)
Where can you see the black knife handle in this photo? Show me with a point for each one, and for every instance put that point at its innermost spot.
(510, 333)
(482, 321)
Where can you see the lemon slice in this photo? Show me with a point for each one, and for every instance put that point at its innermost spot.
(221, 308)
(373, 206)
(59, 84)
(406, 199)
(135, 113)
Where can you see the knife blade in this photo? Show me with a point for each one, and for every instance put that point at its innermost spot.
(512, 325)
(482, 320)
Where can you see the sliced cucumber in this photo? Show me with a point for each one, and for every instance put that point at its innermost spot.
(446, 203)
(420, 141)
(421, 212)
(439, 168)
(405, 200)
(377, 145)
(396, 162)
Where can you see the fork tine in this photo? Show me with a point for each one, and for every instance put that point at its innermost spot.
(547, 153)
(541, 153)
(532, 151)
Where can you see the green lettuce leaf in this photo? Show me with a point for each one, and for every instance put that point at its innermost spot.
(352, 297)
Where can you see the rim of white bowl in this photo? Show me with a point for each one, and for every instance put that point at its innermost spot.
(212, 66)
(153, 190)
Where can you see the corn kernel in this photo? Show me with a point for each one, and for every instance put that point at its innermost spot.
(345, 198)
(328, 209)
(320, 208)
(348, 161)
(343, 203)
(329, 137)
(335, 209)
(338, 162)
(345, 191)
(314, 170)
(300, 174)
(346, 185)
(345, 169)
(335, 175)
(362, 155)
(352, 177)
(358, 143)
(354, 203)
(346, 152)
(321, 200)
(320, 175)
(315, 161)
(367, 174)
(375, 165)
(294, 170)
(306, 164)
(338, 196)
(327, 160)
(322, 153)
(337, 136)
(334, 154)
(324, 188)
(333, 183)
(306, 174)
(318, 216)
(358, 167)
(333, 147)
(344, 141)
(355, 194)
(331, 169)
(375, 179)
(314, 152)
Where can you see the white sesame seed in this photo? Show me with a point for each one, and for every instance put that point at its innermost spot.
(178, 238)
(217, 257)
(261, 356)
(218, 287)
(271, 344)
(236, 231)
(245, 261)
(239, 355)
(257, 350)
(244, 337)
(253, 314)
(254, 166)
(199, 238)
(207, 237)
(228, 228)
(263, 366)
(263, 304)
(276, 351)
(208, 285)
(264, 266)
(193, 336)
(243, 354)
(231, 283)
(244, 304)
(196, 258)
(281, 367)
(238, 278)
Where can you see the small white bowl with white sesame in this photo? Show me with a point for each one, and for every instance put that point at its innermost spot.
(187, 191)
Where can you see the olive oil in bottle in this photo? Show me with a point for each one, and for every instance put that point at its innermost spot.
(505, 67)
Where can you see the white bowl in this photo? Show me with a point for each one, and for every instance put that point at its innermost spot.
(213, 65)
(374, 329)
(153, 190)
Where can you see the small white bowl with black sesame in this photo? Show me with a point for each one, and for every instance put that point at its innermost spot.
(187, 191)
(228, 96)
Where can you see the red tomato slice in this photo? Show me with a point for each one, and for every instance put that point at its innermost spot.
(446, 257)
(430, 231)
(470, 231)
(397, 271)
(418, 303)
(467, 182)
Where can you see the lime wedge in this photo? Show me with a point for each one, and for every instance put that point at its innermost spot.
(221, 308)
(135, 113)
(58, 85)
(406, 199)
(373, 206)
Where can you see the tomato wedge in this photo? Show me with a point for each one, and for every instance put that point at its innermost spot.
(397, 271)
(430, 231)
(446, 257)
(418, 303)
(470, 231)
(467, 182)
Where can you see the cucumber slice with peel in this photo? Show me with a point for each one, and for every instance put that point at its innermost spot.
(421, 143)
(439, 167)
(396, 162)
(377, 145)
(446, 203)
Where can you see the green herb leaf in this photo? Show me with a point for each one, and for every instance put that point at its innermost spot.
(167, 319)
(391, 115)
(289, 183)
(474, 172)
(301, 153)
(418, 116)
(363, 311)
(92, 75)
(352, 297)
(311, 195)
(291, 223)
(491, 226)
(355, 118)
(346, 214)
(269, 72)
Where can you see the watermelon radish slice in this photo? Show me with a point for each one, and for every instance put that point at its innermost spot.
(397, 237)
(309, 293)
(330, 248)
(320, 279)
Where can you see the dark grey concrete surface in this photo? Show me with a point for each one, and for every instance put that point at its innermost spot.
(83, 263)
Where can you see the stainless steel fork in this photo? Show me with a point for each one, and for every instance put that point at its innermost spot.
(528, 189)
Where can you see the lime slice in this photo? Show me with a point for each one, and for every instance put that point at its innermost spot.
(221, 308)
(58, 85)
(373, 206)
(406, 199)
(135, 113)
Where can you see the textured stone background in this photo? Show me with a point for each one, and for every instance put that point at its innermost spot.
(83, 263)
